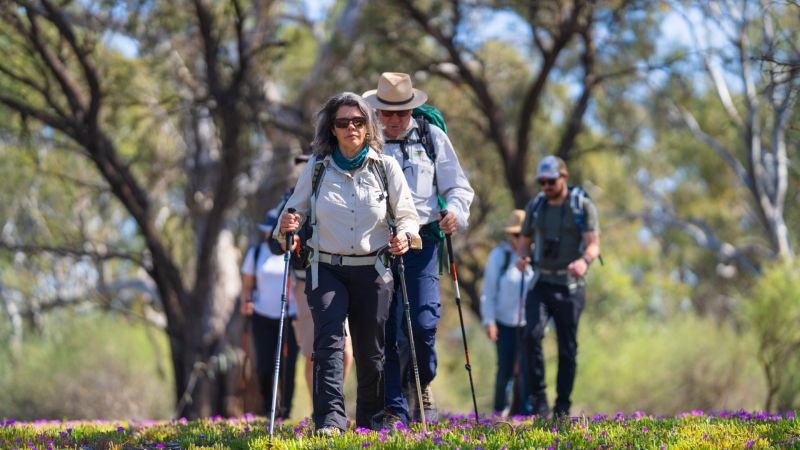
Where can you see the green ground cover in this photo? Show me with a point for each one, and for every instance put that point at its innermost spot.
(693, 430)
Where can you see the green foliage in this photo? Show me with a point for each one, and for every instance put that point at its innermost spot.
(772, 315)
(86, 366)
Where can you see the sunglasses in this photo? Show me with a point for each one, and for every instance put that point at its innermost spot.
(403, 113)
(344, 122)
(547, 181)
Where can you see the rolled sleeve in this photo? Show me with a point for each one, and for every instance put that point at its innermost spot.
(453, 184)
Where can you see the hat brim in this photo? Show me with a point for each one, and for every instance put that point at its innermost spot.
(372, 99)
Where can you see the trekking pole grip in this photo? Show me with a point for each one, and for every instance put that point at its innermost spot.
(290, 235)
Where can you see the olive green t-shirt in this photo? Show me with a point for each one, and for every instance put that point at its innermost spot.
(558, 235)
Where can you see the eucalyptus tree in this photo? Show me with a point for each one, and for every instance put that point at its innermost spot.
(175, 113)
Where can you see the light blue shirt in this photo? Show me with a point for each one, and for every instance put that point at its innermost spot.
(418, 170)
(501, 297)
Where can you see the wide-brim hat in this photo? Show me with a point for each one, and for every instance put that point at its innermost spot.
(269, 222)
(515, 221)
(300, 159)
(395, 93)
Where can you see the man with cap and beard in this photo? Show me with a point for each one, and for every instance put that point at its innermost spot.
(562, 222)
(430, 176)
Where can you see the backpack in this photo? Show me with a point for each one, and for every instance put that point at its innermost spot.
(577, 198)
(426, 116)
(504, 267)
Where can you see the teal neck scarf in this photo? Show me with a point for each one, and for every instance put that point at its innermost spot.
(350, 164)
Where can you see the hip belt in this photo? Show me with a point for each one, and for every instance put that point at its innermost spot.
(552, 272)
(342, 260)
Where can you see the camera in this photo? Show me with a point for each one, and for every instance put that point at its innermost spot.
(550, 247)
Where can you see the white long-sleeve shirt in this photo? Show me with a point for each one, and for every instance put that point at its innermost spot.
(500, 299)
(418, 170)
(351, 208)
(268, 273)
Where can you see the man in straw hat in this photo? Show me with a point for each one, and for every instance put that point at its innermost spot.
(503, 317)
(433, 176)
(563, 221)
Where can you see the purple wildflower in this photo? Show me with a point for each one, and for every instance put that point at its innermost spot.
(705, 436)
(160, 445)
(365, 444)
(481, 438)
(383, 438)
(120, 429)
(588, 437)
(183, 421)
(437, 440)
(201, 437)
(465, 437)
(362, 430)
(645, 429)
(749, 444)
(69, 430)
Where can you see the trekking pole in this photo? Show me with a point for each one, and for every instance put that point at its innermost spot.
(284, 294)
(454, 274)
(401, 268)
(248, 325)
(518, 403)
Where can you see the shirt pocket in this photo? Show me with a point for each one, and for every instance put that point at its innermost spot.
(372, 193)
(423, 185)
(333, 191)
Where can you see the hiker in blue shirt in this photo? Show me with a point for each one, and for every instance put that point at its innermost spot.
(503, 317)
(562, 220)
(434, 174)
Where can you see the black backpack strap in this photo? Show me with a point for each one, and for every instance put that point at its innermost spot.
(256, 252)
(380, 170)
(504, 267)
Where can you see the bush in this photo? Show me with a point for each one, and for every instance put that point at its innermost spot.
(666, 367)
(772, 315)
(87, 366)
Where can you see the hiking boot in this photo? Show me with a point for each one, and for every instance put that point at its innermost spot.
(329, 431)
(386, 419)
(561, 410)
(428, 403)
(540, 407)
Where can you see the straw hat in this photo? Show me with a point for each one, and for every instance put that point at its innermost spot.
(395, 93)
(515, 221)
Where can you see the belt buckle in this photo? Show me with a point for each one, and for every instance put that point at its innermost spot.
(336, 260)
